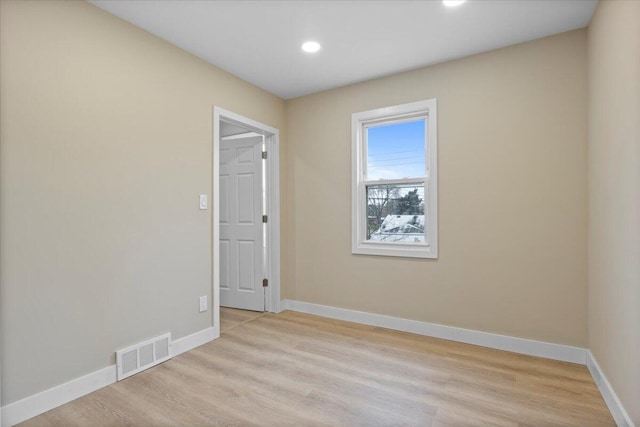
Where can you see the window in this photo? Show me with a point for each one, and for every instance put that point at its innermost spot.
(394, 188)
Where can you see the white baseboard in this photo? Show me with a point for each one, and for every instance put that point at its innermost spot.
(192, 341)
(44, 401)
(486, 339)
(618, 412)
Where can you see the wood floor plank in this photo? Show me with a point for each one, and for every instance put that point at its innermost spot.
(231, 317)
(294, 369)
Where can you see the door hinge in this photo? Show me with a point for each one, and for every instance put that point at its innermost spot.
(264, 155)
(265, 219)
(265, 282)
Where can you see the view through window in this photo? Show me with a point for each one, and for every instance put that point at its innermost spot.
(395, 210)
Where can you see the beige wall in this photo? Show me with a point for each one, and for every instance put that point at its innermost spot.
(512, 128)
(106, 145)
(614, 197)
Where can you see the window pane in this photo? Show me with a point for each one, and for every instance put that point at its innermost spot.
(395, 213)
(396, 151)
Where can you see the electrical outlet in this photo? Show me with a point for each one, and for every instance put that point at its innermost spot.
(203, 304)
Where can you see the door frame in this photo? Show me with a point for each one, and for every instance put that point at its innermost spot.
(272, 165)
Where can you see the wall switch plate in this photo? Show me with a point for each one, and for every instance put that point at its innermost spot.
(203, 201)
(203, 304)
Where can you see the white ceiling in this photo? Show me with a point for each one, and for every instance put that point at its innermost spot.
(259, 41)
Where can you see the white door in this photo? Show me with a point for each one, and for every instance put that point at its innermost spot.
(241, 238)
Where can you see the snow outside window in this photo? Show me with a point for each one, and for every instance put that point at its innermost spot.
(394, 159)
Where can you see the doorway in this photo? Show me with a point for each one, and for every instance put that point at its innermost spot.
(246, 219)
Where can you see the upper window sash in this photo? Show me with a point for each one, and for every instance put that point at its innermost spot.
(387, 121)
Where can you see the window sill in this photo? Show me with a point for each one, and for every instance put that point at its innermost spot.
(395, 250)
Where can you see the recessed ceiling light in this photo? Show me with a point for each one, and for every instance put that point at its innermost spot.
(452, 3)
(311, 47)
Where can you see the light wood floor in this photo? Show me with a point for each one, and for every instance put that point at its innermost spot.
(293, 369)
(231, 317)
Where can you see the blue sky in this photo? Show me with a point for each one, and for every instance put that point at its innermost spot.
(396, 151)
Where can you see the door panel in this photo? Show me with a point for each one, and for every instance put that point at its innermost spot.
(245, 198)
(246, 266)
(224, 264)
(241, 246)
(224, 195)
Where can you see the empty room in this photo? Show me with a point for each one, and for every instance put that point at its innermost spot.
(320, 213)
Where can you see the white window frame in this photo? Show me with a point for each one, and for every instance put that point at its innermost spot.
(394, 114)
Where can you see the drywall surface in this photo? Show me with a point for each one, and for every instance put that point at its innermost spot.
(512, 133)
(614, 197)
(106, 144)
